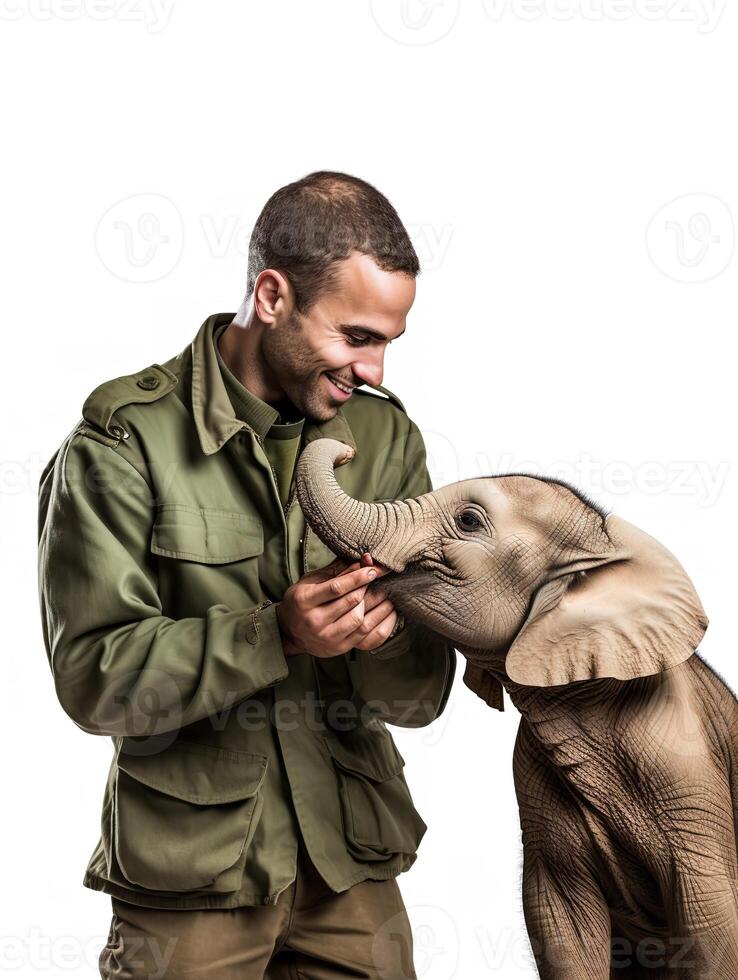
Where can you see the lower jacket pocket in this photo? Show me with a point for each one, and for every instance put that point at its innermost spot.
(184, 816)
(379, 818)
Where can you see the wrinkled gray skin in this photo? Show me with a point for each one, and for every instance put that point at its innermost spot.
(623, 762)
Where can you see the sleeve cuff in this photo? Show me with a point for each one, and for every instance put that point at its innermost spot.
(259, 630)
(397, 643)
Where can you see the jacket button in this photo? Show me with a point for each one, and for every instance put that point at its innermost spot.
(118, 431)
(250, 632)
(148, 382)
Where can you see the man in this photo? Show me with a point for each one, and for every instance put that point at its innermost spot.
(256, 814)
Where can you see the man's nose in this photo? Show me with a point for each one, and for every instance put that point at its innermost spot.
(370, 369)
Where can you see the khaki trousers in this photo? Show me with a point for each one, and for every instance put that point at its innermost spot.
(312, 933)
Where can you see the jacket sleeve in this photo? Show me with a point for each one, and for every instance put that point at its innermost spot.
(409, 677)
(120, 667)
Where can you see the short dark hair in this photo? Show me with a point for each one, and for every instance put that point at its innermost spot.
(307, 226)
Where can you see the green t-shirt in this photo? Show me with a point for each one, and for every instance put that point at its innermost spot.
(282, 446)
(279, 428)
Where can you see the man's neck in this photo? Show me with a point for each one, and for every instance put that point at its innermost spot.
(287, 411)
(240, 347)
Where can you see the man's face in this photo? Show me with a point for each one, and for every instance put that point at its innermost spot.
(343, 336)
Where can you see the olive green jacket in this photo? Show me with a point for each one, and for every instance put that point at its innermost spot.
(163, 548)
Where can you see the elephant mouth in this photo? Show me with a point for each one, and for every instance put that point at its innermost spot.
(386, 581)
(399, 587)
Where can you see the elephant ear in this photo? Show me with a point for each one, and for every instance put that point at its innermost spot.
(636, 613)
(487, 687)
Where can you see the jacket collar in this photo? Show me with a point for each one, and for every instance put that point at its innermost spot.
(215, 419)
(257, 414)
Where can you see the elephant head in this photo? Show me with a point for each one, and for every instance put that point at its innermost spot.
(518, 572)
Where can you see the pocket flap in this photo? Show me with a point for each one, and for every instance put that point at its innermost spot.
(197, 773)
(206, 535)
(372, 755)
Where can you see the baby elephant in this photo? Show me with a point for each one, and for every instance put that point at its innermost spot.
(623, 763)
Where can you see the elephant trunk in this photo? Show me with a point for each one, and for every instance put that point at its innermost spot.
(347, 526)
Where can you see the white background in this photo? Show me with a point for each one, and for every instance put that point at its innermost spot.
(568, 172)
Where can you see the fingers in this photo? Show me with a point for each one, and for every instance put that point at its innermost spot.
(337, 567)
(376, 627)
(367, 559)
(338, 586)
(333, 609)
(360, 623)
(372, 598)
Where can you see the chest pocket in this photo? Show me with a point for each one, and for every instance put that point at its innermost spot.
(207, 555)
(206, 535)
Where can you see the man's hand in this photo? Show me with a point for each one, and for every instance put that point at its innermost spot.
(326, 612)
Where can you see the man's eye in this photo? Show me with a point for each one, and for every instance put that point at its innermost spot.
(357, 341)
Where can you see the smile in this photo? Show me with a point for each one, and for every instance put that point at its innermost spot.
(346, 389)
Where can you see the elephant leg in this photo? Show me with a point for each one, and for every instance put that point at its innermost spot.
(703, 927)
(697, 871)
(566, 914)
(567, 920)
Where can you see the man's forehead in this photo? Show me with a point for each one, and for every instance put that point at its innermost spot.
(366, 295)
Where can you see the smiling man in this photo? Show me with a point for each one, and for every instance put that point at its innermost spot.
(256, 813)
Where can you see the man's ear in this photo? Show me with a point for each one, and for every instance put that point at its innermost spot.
(635, 613)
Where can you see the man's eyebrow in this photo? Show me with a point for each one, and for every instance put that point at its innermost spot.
(372, 333)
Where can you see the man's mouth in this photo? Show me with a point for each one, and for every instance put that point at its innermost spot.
(341, 385)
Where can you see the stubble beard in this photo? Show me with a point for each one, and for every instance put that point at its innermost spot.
(285, 355)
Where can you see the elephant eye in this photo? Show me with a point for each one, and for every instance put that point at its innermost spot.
(468, 520)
